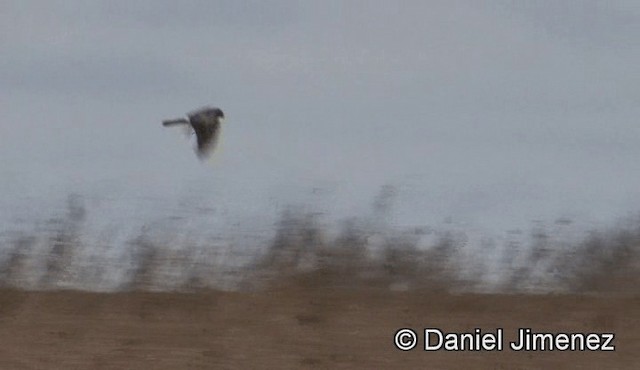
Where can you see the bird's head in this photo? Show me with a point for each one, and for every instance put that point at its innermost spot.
(206, 114)
(219, 114)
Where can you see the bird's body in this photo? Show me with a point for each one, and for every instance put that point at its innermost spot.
(206, 125)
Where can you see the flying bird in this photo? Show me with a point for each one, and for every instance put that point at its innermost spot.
(206, 125)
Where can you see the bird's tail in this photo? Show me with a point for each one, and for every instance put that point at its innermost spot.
(175, 122)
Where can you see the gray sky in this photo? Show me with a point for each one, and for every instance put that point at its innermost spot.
(492, 113)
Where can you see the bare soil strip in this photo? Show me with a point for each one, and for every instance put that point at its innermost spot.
(297, 325)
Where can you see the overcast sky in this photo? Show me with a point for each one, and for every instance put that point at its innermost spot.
(494, 113)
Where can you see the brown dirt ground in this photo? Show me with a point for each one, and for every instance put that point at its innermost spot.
(297, 325)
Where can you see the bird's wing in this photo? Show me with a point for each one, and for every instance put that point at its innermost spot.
(174, 122)
(207, 131)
